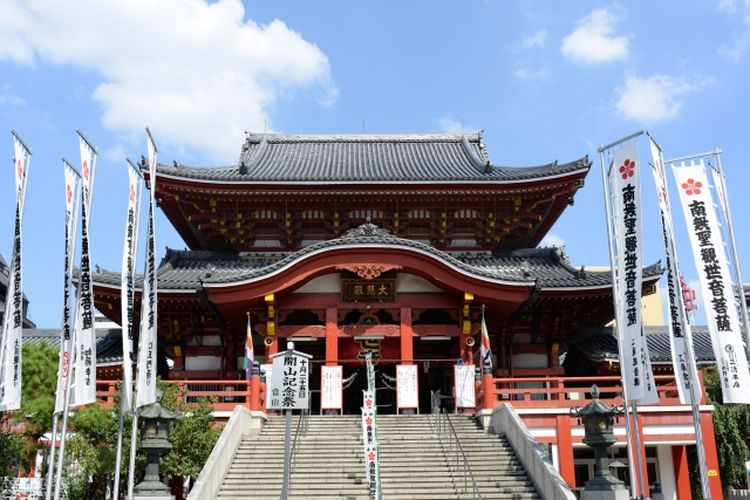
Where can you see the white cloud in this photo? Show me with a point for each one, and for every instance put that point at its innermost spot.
(538, 39)
(593, 41)
(552, 240)
(197, 73)
(8, 98)
(449, 125)
(116, 154)
(529, 74)
(654, 98)
(741, 41)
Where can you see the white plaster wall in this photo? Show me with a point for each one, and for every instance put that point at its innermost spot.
(203, 363)
(409, 283)
(666, 472)
(530, 360)
(328, 283)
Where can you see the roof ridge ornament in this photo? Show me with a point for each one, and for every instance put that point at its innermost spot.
(367, 230)
(483, 165)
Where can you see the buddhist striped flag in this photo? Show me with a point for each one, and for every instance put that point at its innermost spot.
(484, 349)
(249, 353)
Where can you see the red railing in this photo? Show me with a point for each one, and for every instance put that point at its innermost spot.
(528, 392)
(226, 394)
(565, 391)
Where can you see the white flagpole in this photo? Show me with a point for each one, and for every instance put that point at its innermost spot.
(66, 384)
(12, 326)
(620, 347)
(724, 199)
(648, 392)
(146, 378)
(71, 228)
(84, 331)
(131, 233)
(694, 394)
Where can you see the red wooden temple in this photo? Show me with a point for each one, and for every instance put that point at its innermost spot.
(393, 245)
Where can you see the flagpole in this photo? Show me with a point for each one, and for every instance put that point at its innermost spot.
(733, 246)
(127, 329)
(620, 347)
(694, 392)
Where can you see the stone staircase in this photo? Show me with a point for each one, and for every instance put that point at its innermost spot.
(329, 462)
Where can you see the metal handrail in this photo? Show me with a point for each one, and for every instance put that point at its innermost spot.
(301, 430)
(443, 426)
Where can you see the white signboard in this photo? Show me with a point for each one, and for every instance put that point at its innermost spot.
(331, 388)
(463, 377)
(407, 394)
(290, 376)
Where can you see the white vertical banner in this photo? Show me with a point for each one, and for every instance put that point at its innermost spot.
(12, 327)
(84, 356)
(463, 381)
(715, 280)
(72, 199)
(331, 387)
(130, 246)
(407, 387)
(147, 343)
(678, 323)
(625, 191)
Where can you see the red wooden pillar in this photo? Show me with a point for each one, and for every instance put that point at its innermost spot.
(681, 472)
(332, 336)
(565, 449)
(254, 393)
(407, 337)
(712, 459)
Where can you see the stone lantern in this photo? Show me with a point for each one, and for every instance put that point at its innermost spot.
(156, 423)
(598, 423)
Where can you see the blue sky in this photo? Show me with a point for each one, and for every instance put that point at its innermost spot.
(545, 80)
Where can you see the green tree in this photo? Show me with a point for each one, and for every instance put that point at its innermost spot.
(193, 437)
(11, 446)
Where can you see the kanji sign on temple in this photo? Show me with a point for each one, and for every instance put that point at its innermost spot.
(381, 244)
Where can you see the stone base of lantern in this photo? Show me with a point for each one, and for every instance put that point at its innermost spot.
(605, 488)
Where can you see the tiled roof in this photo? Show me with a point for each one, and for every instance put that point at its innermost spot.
(367, 158)
(603, 346)
(108, 342)
(185, 270)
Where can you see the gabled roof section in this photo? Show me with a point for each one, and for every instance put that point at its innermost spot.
(188, 270)
(108, 342)
(285, 158)
(603, 346)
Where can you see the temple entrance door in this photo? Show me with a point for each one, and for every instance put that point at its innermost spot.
(385, 385)
(438, 377)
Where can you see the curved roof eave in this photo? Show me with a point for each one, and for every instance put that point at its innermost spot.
(441, 259)
(535, 175)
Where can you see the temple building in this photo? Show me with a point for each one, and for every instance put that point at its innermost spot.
(396, 245)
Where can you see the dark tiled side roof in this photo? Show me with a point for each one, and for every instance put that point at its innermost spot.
(108, 342)
(185, 270)
(367, 158)
(603, 346)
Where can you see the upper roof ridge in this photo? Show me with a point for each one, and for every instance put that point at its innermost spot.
(257, 138)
